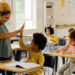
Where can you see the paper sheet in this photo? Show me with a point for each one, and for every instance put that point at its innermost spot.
(24, 65)
(13, 46)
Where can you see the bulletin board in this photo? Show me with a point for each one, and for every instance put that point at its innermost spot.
(66, 13)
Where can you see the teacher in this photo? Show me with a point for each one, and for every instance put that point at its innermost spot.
(5, 44)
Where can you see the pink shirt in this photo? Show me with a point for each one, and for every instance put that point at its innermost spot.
(70, 48)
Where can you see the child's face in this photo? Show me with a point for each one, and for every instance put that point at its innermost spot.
(4, 18)
(48, 32)
(33, 46)
(72, 42)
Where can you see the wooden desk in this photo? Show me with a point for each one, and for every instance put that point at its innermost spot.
(61, 55)
(71, 56)
(20, 71)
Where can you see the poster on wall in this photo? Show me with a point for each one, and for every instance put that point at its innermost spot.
(73, 3)
(62, 3)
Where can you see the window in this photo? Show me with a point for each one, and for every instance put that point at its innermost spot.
(26, 12)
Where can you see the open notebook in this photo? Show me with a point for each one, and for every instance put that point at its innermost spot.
(23, 65)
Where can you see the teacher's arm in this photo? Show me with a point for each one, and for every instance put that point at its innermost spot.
(8, 35)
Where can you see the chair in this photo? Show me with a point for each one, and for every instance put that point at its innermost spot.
(62, 42)
(50, 61)
(73, 73)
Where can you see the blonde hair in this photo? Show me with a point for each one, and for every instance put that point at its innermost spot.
(4, 6)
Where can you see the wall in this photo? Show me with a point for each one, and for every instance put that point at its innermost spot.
(65, 15)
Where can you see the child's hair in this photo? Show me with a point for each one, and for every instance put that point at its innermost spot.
(50, 29)
(70, 29)
(40, 40)
(5, 8)
(72, 35)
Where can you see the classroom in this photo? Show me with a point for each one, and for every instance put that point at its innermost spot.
(37, 37)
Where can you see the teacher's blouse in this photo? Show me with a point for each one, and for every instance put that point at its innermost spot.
(5, 44)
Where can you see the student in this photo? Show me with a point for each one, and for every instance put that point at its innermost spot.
(71, 29)
(49, 34)
(37, 45)
(67, 37)
(5, 44)
(71, 47)
(52, 42)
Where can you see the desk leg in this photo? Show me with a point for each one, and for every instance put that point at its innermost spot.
(54, 70)
(69, 68)
(5, 72)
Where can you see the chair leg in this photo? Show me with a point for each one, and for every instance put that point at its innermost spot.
(48, 71)
(44, 72)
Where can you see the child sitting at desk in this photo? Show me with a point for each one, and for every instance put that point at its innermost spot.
(37, 45)
(51, 40)
(70, 30)
(49, 34)
(71, 47)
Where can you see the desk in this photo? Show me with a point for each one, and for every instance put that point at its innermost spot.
(71, 56)
(20, 71)
(61, 55)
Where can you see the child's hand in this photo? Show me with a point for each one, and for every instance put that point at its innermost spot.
(57, 51)
(66, 52)
(21, 30)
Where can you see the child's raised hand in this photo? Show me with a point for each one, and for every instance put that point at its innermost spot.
(22, 27)
(21, 30)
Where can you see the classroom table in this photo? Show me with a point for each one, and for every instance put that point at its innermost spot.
(71, 56)
(7, 66)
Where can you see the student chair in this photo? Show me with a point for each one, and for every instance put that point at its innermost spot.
(62, 42)
(50, 62)
(73, 73)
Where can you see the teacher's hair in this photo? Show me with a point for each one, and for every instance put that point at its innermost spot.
(4, 8)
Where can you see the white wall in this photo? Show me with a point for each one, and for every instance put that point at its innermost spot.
(65, 15)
